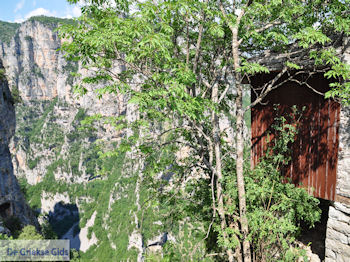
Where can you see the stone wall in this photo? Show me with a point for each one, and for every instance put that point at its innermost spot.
(338, 233)
(338, 225)
(343, 168)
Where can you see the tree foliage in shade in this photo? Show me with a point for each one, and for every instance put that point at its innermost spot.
(184, 64)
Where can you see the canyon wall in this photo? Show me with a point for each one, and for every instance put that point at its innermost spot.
(12, 202)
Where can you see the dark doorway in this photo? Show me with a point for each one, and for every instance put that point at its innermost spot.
(317, 235)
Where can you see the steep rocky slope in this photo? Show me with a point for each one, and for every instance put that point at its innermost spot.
(12, 202)
(94, 201)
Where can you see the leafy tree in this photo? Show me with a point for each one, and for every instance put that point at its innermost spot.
(2, 74)
(184, 63)
(29, 232)
(16, 95)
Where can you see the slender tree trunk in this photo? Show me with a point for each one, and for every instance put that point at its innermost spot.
(240, 177)
(240, 148)
(218, 169)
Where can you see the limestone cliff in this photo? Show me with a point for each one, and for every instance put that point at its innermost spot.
(12, 202)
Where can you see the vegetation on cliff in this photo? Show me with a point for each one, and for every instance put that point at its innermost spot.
(51, 21)
(7, 31)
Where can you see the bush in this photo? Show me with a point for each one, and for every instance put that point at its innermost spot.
(29, 233)
(275, 207)
(32, 163)
(16, 95)
(2, 74)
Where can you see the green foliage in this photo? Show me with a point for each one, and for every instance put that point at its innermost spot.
(71, 68)
(2, 74)
(5, 237)
(29, 233)
(275, 207)
(47, 231)
(37, 71)
(32, 163)
(34, 134)
(186, 57)
(7, 31)
(28, 38)
(51, 21)
(75, 255)
(16, 94)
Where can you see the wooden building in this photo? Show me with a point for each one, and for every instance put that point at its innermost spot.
(315, 150)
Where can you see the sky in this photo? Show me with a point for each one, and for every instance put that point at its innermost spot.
(20, 10)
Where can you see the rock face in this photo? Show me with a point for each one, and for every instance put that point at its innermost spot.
(12, 202)
(33, 52)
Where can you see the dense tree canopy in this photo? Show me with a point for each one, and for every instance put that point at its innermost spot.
(184, 62)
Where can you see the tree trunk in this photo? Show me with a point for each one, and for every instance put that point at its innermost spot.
(218, 169)
(240, 148)
(240, 175)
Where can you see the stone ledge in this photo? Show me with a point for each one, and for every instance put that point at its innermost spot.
(341, 227)
(335, 235)
(341, 250)
(338, 215)
(342, 207)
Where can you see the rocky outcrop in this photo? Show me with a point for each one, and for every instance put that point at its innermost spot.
(37, 68)
(12, 202)
(41, 76)
(31, 59)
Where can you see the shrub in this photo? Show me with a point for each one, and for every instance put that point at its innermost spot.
(2, 74)
(275, 207)
(33, 162)
(16, 95)
(50, 21)
(29, 233)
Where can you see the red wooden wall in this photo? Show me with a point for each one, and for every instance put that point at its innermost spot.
(315, 150)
